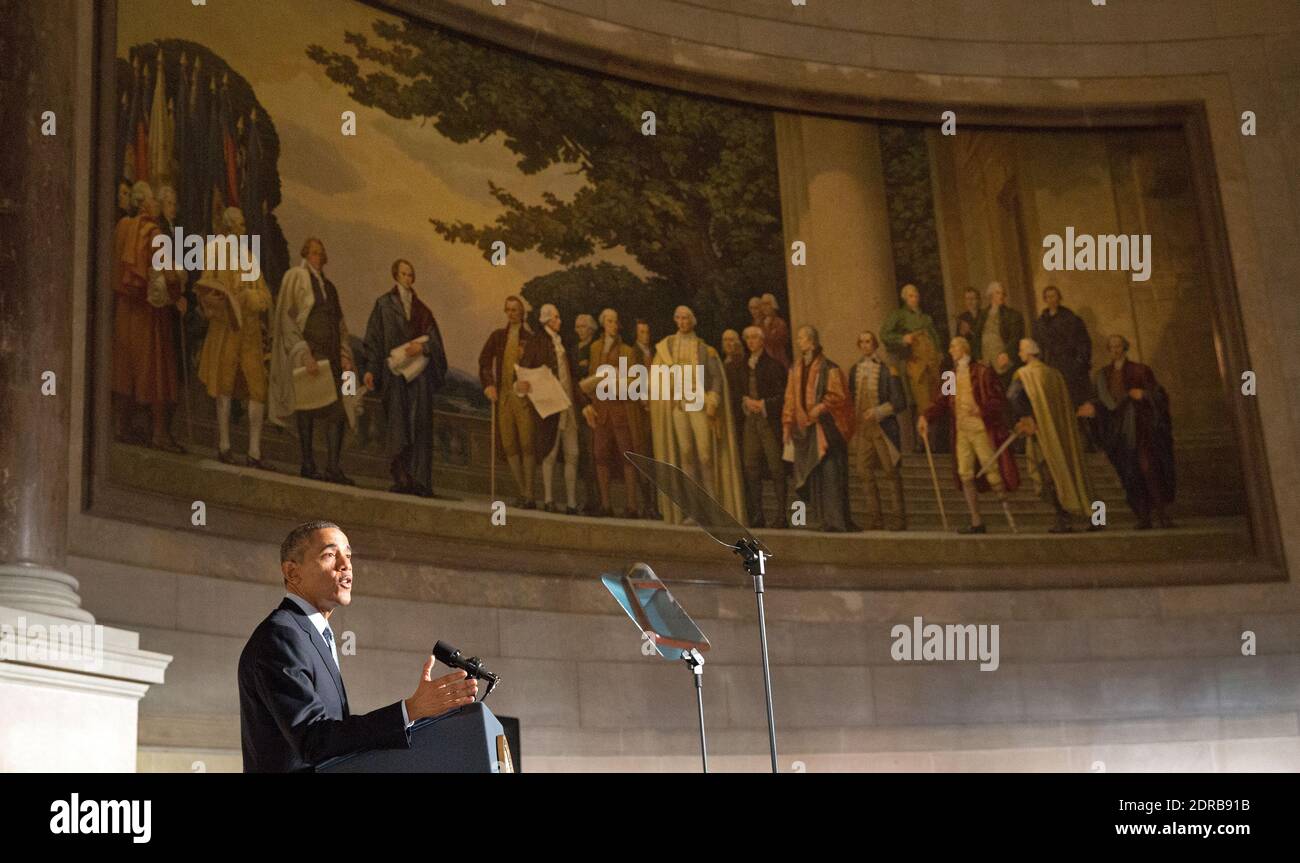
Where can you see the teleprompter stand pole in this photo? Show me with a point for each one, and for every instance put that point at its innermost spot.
(695, 662)
(755, 563)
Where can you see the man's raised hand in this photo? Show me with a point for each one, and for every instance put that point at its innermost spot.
(435, 697)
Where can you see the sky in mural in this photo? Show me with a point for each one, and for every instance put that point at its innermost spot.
(368, 197)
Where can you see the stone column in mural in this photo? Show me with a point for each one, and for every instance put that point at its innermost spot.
(37, 224)
(833, 199)
(948, 223)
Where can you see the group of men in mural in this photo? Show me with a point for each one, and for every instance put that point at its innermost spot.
(309, 344)
(1005, 383)
(769, 413)
(789, 417)
(793, 418)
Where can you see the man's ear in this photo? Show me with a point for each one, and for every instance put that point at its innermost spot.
(289, 569)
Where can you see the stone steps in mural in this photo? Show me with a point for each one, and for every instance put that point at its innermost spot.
(462, 453)
(1199, 549)
(1028, 509)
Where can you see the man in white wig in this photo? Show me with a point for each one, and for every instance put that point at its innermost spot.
(700, 442)
(309, 329)
(230, 363)
(1040, 402)
(557, 432)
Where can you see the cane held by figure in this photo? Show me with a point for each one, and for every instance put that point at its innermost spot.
(993, 463)
(934, 478)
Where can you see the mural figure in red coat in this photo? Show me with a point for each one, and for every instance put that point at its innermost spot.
(974, 404)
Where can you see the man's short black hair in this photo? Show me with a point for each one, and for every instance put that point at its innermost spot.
(292, 547)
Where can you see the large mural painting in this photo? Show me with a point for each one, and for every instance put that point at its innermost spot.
(358, 250)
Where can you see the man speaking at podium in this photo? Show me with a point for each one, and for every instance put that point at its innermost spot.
(293, 707)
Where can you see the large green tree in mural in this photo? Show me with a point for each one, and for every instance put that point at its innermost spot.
(696, 204)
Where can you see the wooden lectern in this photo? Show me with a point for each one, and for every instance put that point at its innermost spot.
(468, 740)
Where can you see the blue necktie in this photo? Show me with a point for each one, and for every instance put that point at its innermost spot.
(329, 641)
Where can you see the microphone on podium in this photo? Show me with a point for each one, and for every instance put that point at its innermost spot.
(473, 667)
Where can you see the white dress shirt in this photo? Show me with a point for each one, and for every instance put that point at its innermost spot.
(405, 294)
(318, 620)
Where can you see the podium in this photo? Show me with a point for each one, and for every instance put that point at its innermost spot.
(468, 740)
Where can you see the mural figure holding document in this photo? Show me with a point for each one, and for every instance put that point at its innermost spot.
(407, 365)
(548, 377)
(310, 353)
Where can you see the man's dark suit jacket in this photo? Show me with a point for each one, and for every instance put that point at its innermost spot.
(771, 379)
(293, 708)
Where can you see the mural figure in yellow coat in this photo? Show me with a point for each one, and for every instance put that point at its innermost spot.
(701, 442)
